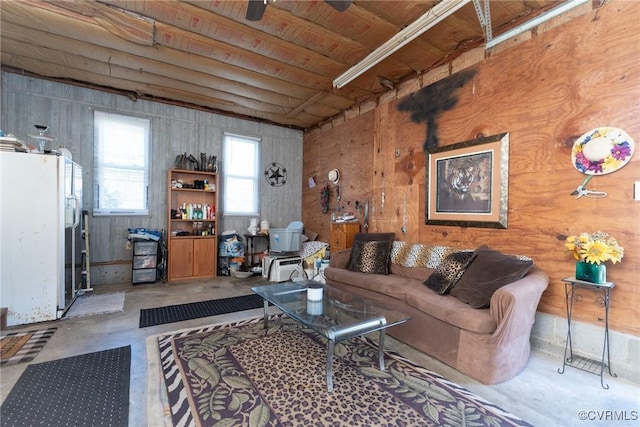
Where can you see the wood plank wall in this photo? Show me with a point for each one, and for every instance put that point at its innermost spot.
(68, 110)
(546, 92)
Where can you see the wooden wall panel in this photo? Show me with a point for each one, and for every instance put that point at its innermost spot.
(68, 110)
(348, 149)
(545, 92)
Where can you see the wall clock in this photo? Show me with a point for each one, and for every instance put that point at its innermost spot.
(275, 174)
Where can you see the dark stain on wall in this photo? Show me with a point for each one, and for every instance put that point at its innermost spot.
(427, 103)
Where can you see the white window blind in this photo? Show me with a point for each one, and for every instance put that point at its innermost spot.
(121, 145)
(241, 175)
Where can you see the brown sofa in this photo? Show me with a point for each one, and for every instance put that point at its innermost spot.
(488, 344)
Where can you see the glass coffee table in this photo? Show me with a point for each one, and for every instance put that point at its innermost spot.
(335, 314)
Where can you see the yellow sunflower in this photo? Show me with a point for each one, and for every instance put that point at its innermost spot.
(616, 254)
(594, 252)
(571, 247)
(594, 248)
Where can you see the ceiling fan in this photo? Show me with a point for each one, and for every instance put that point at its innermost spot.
(256, 8)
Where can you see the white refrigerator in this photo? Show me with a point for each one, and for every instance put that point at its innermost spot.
(40, 235)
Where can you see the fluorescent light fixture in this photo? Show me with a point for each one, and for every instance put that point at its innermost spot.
(564, 7)
(436, 14)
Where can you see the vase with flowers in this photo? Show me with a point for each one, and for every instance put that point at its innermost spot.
(592, 250)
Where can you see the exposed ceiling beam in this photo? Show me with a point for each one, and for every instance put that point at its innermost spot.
(435, 15)
(559, 10)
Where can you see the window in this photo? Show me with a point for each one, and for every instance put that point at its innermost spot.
(241, 184)
(121, 145)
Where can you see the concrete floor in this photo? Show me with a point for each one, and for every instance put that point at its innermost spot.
(539, 394)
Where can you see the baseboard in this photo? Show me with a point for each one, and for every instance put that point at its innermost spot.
(549, 336)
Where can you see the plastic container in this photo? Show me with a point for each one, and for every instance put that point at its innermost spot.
(285, 240)
(144, 261)
(144, 276)
(145, 248)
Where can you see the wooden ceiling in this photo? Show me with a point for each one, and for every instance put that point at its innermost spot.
(206, 54)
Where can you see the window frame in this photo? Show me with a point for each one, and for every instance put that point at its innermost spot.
(99, 165)
(228, 140)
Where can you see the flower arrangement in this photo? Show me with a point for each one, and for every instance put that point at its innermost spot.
(595, 248)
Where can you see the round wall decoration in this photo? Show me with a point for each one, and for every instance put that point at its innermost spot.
(602, 150)
(275, 174)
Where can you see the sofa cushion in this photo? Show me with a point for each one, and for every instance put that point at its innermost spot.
(370, 257)
(449, 271)
(391, 285)
(489, 271)
(414, 293)
(449, 309)
(419, 273)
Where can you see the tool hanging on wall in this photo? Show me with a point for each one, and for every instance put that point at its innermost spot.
(382, 197)
(581, 190)
(366, 216)
(324, 198)
(404, 216)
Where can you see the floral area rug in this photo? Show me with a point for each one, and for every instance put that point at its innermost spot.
(241, 374)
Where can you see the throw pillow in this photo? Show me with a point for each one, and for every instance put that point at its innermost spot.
(368, 237)
(449, 271)
(370, 257)
(488, 272)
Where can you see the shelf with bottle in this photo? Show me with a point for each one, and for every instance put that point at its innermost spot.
(194, 212)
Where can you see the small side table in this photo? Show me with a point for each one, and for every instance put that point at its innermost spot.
(588, 365)
(251, 248)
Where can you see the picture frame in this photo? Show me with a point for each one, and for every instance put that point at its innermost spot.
(467, 183)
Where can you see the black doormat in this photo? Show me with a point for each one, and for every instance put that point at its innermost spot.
(196, 310)
(87, 390)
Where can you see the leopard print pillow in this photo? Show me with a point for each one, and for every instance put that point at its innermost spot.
(370, 257)
(449, 271)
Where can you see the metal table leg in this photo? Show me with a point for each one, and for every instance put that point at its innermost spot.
(569, 297)
(605, 345)
(330, 349)
(381, 349)
(266, 314)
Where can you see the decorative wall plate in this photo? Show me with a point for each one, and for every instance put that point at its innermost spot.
(275, 174)
(602, 150)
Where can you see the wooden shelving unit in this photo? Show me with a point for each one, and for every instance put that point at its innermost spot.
(192, 237)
